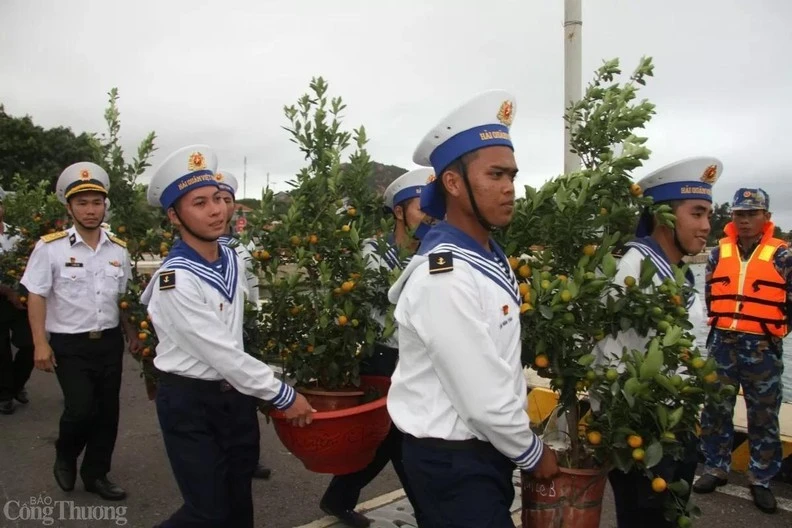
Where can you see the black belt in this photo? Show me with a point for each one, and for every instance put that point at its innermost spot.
(94, 334)
(471, 444)
(195, 383)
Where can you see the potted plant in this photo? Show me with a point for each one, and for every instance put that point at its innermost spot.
(319, 293)
(563, 240)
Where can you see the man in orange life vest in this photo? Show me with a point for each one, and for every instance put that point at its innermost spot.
(749, 288)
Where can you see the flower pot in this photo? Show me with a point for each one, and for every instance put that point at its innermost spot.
(322, 400)
(573, 498)
(339, 441)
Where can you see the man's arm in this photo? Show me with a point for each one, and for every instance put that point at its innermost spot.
(43, 357)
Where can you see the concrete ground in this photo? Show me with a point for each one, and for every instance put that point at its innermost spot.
(289, 499)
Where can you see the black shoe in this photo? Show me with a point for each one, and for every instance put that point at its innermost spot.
(348, 517)
(262, 472)
(707, 483)
(22, 396)
(7, 407)
(105, 489)
(764, 499)
(65, 473)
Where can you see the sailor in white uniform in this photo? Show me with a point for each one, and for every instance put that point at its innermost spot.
(208, 387)
(458, 392)
(402, 200)
(228, 187)
(687, 187)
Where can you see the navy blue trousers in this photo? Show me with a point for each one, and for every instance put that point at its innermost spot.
(211, 435)
(460, 488)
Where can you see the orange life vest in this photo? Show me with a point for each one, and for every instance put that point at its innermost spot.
(748, 296)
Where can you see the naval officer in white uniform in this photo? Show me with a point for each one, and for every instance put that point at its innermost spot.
(208, 386)
(74, 279)
(458, 393)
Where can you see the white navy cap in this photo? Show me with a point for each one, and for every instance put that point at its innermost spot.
(81, 177)
(186, 169)
(408, 185)
(481, 122)
(687, 179)
(226, 181)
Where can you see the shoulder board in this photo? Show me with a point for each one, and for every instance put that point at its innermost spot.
(54, 236)
(167, 280)
(441, 262)
(117, 240)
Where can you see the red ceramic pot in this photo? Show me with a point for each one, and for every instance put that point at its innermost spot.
(341, 441)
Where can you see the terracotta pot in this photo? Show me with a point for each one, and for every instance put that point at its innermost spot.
(573, 499)
(341, 441)
(331, 400)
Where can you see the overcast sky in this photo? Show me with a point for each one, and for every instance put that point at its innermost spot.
(220, 72)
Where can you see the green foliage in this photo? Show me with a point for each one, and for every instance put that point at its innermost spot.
(319, 292)
(563, 240)
(37, 154)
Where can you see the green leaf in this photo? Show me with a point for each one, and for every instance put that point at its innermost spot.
(653, 361)
(675, 416)
(609, 265)
(546, 311)
(662, 416)
(654, 454)
(680, 487)
(672, 337)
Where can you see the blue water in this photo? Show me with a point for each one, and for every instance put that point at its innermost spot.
(701, 336)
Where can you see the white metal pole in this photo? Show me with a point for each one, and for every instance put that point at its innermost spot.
(573, 83)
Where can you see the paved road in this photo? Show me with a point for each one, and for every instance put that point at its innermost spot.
(289, 499)
(140, 465)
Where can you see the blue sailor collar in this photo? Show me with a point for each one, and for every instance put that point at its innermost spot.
(220, 274)
(391, 255)
(494, 265)
(649, 248)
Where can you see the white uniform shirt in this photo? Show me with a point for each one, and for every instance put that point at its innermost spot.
(7, 243)
(390, 261)
(609, 350)
(200, 333)
(459, 374)
(81, 285)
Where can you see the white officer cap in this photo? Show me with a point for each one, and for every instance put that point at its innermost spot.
(688, 179)
(226, 181)
(81, 177)
(481, 122)
(406, 186)
(186, 169)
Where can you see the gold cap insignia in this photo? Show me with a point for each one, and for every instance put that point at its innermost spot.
(430, 179)
(747, 194)
(196, 162)
(85, 174)
(710, 174)
(505, 114)
(219, 176)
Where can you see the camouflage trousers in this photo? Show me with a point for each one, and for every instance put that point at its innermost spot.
(754, 363)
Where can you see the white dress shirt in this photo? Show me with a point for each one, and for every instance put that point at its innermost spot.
(81, 285)
(459, 374)
(200, 334)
